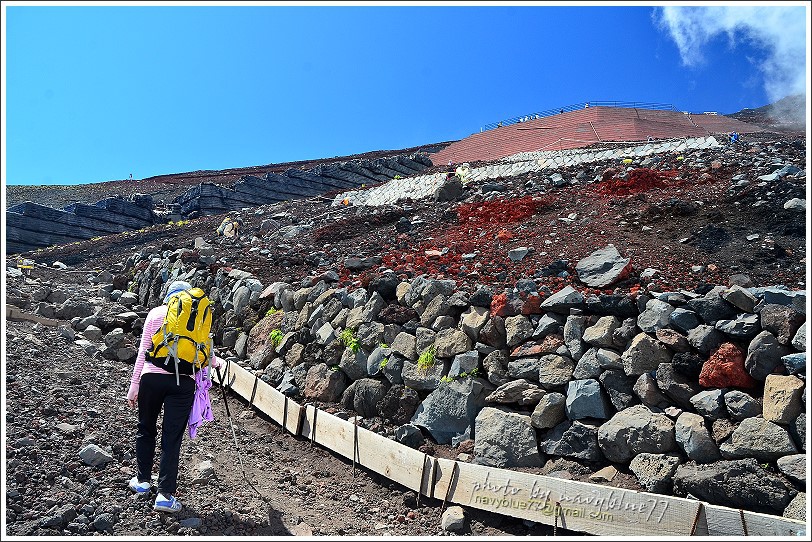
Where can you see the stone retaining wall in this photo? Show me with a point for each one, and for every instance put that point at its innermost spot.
(209, 198)
(689, 391)
(423, 186)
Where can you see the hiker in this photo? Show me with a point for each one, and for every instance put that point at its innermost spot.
(734, 137)
(151, 388)
(230, 227)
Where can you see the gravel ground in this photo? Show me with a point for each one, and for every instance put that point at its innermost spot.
(61, 400)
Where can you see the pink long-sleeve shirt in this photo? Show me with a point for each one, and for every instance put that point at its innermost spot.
(154, 320)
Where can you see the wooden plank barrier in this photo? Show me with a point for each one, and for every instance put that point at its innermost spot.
(577, 506)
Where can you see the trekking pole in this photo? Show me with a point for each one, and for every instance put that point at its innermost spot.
(234, 434)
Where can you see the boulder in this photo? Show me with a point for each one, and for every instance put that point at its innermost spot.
(519, 391)
(710, 404)
(585, 399)
(550, 411)
(588, 366)
(493, 332)
(555, 371)
(636, 430)
(675, 386)
(725, 369)
(740, 298)
(453, 519)
(694, 438)
(324, 384)
(782, 321)
(562, 301)
(518, 329)
(573, 332)
(655, 472)
(409, 435)
(422, 378)
(683, 319)
(368, 393)
(705, 339)
(656, 316)
(795, 363)
(495, 365)
(782, 398)
(649, 393)
(451, 409)
(464, 364)
(405, 344)
(600, 334)
(572, 439)
(399, 404)
(741, 405)
(95, 456)
(619, 388)
(450, 342)
(712, 307)
(793, 467)
(603, 268)
(799, 340)
(760, 439)
(763, 355)
(644, 354)
(796, 509)
(505, 439)
(674, 340)
(354, 364)
(473, 320)
(739, 484)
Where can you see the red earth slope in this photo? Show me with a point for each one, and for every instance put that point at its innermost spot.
(585, 127)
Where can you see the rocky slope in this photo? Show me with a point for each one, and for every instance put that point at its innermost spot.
(685, 223)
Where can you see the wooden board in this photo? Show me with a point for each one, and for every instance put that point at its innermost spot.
(14, 313)
(581, 506)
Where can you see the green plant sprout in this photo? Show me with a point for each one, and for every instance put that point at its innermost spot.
(276, 337)
(427, 359)
(350, 340)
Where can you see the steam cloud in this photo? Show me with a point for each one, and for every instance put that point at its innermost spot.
(780, 31)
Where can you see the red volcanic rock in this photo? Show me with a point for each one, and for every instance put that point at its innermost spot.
(532, 305)
(725, 369)
(549, 345)
(506, 305)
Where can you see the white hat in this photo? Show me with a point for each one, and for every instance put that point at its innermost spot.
(176, 287)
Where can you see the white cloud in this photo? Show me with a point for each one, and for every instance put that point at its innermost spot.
(779, 31)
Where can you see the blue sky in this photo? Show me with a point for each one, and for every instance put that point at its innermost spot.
(96, 93)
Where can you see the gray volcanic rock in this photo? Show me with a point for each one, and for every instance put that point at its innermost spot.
(739, 484)
(505, 439)
(603, 267)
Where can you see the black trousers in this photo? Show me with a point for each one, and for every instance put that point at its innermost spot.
(156, 391)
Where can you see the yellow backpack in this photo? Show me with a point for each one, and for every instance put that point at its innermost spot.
(184, 337)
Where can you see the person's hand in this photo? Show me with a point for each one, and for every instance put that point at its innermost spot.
(133, 403)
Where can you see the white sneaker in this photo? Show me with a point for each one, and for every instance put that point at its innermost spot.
(139, 487)
(166, 504)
